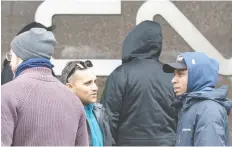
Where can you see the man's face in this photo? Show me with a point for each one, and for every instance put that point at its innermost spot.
(14, 62)
(84, 86)
(180, 81)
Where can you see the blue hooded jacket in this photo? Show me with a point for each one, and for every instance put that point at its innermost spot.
(204, 110)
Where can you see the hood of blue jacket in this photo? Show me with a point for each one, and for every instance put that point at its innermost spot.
(202, 79)
(202, 71)
(218, 95)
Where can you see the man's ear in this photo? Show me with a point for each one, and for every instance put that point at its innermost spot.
(69, 85)
(19, 61)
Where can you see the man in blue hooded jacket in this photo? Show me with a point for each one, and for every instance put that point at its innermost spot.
(203, 109)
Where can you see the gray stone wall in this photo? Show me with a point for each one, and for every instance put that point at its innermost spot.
(101, 36)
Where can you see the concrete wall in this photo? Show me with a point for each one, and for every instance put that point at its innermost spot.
(101, 36)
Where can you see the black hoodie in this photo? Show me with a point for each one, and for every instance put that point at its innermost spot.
(138, 94)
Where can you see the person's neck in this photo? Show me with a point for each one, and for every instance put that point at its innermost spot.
(86, 104)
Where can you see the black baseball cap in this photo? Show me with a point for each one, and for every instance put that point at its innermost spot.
(179, 64)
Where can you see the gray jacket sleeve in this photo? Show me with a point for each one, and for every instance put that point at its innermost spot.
(210, 128)
(112, 100)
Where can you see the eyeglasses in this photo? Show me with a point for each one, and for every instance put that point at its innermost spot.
(8, 56)
(78, 65)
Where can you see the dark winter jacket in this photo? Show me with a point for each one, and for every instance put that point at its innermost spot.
(7, 74)
(103, 122)
(138, 94)
(204, 110)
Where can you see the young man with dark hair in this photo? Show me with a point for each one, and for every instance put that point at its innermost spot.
(203, 109)
(80, 78)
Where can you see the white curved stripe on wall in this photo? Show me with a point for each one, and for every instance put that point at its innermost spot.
(147, 11)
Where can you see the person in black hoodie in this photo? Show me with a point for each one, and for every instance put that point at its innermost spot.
(138, 94)
(7, 74)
